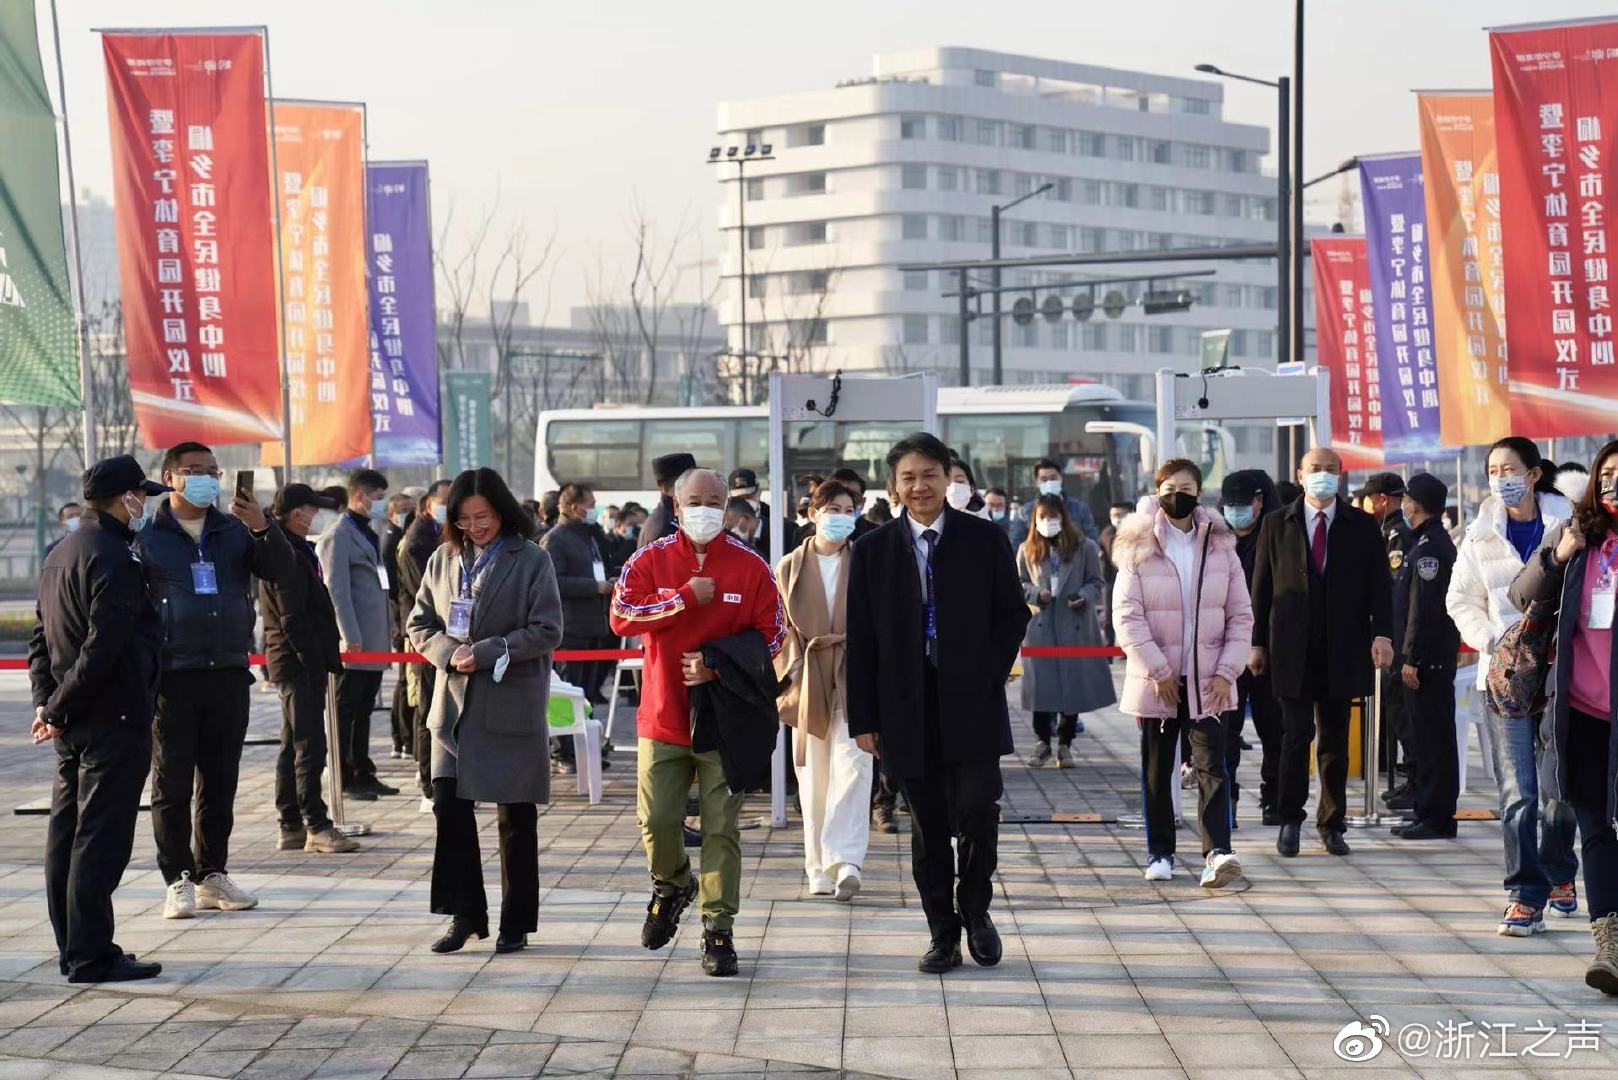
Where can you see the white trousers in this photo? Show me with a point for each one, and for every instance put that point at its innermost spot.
(834, 787)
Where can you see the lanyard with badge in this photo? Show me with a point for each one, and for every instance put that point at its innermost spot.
(598, 566)
(1601, 597)
(204, 581)
(460, 609)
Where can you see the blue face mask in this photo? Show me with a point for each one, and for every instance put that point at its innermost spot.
(137, 523)
(1239, 517)
(441, 513)
(592, 515)
(1320, 485)
(836, 527)
(200, 491)
(71, 524)
(379, 508)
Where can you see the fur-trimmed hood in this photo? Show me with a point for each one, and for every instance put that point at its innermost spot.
(1138, 537)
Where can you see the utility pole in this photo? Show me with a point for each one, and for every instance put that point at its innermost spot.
(997, 373)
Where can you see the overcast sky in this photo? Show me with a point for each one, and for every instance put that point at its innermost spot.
(571, 114)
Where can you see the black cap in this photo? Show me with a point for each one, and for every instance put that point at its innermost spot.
(1241, 487)
(669, 467)
(1429, 492)
(743, 480)
(116, 475)
(1383, 483)
(292, 496)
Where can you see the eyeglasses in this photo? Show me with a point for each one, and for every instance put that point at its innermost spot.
(479, 521)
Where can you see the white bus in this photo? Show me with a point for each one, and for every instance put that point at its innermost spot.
(1102, 442)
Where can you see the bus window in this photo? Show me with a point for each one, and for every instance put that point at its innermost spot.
(604, 454)
(711, 442)
(865, 449)
(1001, 450)
(753, 448)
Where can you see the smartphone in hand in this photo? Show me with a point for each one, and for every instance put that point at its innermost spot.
(244, 483)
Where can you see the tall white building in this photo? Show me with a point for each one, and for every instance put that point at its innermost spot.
(903, 167)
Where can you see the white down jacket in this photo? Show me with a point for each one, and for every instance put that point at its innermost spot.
(1485, 565)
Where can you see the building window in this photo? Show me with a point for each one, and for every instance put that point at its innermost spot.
(807, 135)
(915, 329)
(949, 227)
(985, 332)
(1128, 337)
(1092, 144)
(755, 136)
(755, 287)
(985, 230)
(1061, 236)
(808, 232)
(755, 189)
(808, 331)
(1062, 191)
(913, 177)
(812, 184)
(1264, 343)
(987, 181)
(1124, 148)
(1021, 136)
(950, 128)
(1059, 335)
(912, 127)
(988, 133)
(1198, 106)
(1095, 335)
(985, 78)
(1158, 198)
(1028, 334)
(755, 238)
(949, 330)
(1127, 195)
(1233, 206)
(1091, 240)
(1026, 233)
(1090, 193)
(1261, 209)
(808, 282)
(949, 179)
(1159, 152)
(1161, 338)
(1198, 157)
(1197, 202)
(1237, 161)
(913, 226)
(1021, 183)
(1056, 140)
(915, 280)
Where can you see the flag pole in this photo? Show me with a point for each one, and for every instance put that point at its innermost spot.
(280, 286)
(86, 389)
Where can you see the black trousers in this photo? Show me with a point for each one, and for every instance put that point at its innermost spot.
(457, 887)
(952, 801)
(1435, 775)
(1065, 728)
(299, 801)
(401, 716)
(423, 742)
(197, 740)
(1254, 691)
(1298, 719)
(1158, 741)
(100, 770)
(356, 696)
(1395, 740)
(588, 675)
(1587, 790)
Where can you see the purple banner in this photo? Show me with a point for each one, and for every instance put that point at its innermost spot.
(404, 354)
(1401, 289)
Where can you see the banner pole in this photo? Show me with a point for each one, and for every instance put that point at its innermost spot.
(280, 285)
(86, 391)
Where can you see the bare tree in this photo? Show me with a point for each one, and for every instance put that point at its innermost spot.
(112, 409)
(459, 273)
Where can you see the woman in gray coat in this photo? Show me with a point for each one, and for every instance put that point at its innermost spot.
(487, 617)
(1061, 580)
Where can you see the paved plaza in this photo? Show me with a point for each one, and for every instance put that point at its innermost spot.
(1104, 975)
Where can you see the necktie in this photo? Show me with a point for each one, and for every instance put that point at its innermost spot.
(1317, 547)
(929, 611)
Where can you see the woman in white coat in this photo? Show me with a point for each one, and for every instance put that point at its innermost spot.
(1522, 509)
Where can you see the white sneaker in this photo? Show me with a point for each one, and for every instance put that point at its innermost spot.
(1220, 869)
(848, 882)
(180, 901)
(217, 892)
(426, 806)
(1160, 868)
(820, 885)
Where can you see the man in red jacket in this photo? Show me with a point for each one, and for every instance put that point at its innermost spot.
(678, 594)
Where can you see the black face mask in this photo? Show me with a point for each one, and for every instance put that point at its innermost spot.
(1178, 504)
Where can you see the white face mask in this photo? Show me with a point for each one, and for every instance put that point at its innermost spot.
(958, 494)
(701, 523)
(1049, 527)
(1050, 487)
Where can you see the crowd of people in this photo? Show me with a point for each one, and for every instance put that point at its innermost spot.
(884, 643)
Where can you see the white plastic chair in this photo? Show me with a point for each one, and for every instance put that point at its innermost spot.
(1470, 713)
(631, 667)
(586, 732)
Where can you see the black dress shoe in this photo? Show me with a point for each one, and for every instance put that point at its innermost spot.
(1286, 841)
(124, 969)
(1333, 839)
(377, 787)
(359, 794)
(982, 940)
(1426, 830)
(940, 957)
(1272, 816)
(692, 837)
(510, 942)
(459, 930)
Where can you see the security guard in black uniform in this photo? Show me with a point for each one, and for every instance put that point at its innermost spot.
(1428, 642)
(1380, 498)
(93, 664)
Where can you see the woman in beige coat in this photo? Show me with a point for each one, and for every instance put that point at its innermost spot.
(834, 775)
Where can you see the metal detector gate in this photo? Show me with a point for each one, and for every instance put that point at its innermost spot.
(797, 400)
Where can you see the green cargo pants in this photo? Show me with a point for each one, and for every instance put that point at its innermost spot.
(663, 779)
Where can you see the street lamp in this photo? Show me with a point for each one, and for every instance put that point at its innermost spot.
(733, 155)
(1283, 201)
(1347, 166)
(994, 283)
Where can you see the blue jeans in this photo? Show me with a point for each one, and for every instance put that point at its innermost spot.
(1535, 859)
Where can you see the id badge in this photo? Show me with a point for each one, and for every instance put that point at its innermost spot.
(599, 569)
(382, 576)
(931, 611)
(1601, 606)
(204, 583)
(460, 618)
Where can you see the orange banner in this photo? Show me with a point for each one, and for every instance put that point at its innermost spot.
(320, 182)
(1462, 181)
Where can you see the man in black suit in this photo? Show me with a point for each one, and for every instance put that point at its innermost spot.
(661, 521)
(1322, 621)
(935, 619)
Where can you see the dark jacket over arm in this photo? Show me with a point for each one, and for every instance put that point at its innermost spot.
(736, 713)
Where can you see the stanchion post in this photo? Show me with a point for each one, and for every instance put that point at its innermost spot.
(1371, 731)
(334, 757)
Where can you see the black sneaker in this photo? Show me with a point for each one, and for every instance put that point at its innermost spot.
(718, 953)
(882, 818)
(663, 914)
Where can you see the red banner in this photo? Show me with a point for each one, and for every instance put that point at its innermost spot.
(1345, 345)
(1556, 108)
(196, 252)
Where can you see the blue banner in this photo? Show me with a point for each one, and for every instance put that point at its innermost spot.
(1396, 249)
(404, 353)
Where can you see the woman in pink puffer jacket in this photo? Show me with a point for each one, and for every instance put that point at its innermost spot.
(1180, 581)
